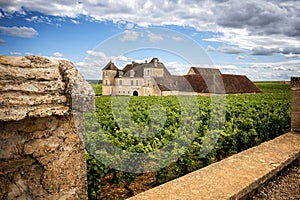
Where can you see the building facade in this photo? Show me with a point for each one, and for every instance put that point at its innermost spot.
(153, 79)
(135, 79)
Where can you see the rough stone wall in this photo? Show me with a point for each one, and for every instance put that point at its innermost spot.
(41, 110)
(42, 158)
(295, 100)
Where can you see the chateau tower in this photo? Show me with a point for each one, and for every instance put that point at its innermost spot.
(109, 73)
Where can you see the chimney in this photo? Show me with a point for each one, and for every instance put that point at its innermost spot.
(295, 104)
(155, 60)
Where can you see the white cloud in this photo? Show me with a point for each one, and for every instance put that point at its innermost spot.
(41, 19)
(57, 54)
(280, 68)
(245, 24)
(154, 37)
(176, 68)
(243, 39)
(226, 49)
(29, 53)
(242, 57)
(95, 61)
(75, 21)
(130, 36)
(226, 67)
(292, 56)
(230, 50)
(15, 53)
(256, 27)
(101, 55)
(210, 48)
(177, 38)
(290, 63)
(25, 32)
(274, 70)
(129, 26)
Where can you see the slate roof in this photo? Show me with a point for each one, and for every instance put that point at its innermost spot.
(173, 83)
(218, 84)
(206, 71)
(110, 66)
(138, 68)
(206, 84)
(239, 84)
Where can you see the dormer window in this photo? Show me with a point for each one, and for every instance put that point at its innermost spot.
(132, 73)
(155, 61)
(121, 73)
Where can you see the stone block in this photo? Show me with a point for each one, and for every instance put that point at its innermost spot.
(39, 87)
(42, 151)
(295, 104)
(295, 82)
(295, 121)
(295, 100)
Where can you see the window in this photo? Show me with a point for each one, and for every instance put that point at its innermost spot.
(105, 82)
(131, 73)
(131, 82)
(148, 82)
(137, 82)
(120, 82)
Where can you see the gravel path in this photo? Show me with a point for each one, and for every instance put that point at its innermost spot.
(284, 186)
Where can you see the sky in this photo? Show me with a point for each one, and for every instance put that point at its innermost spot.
(257, 38)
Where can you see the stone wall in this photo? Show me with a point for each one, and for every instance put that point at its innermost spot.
(42, 150)
(295, 104)
(235, 177)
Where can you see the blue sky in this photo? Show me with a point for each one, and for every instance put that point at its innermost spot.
(260, 39)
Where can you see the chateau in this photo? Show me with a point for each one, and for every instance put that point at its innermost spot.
(153, 79)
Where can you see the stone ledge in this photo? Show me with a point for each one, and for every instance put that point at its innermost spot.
(34, 86)
(234, 177)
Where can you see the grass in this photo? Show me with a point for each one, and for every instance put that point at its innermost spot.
(273, 87)
(97, 88)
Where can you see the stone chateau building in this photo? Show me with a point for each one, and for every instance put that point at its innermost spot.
(153, 79)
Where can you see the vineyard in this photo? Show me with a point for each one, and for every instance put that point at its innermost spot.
(136, 143)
